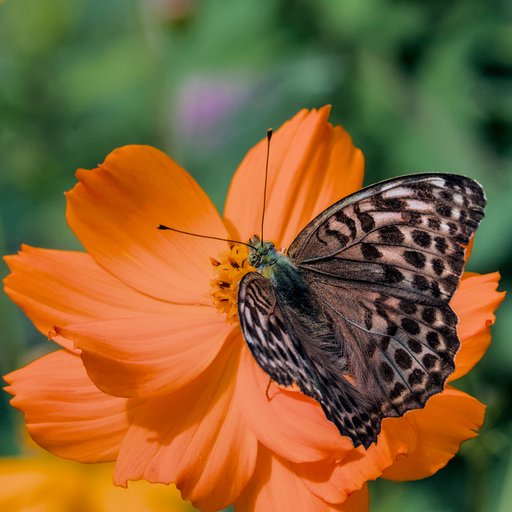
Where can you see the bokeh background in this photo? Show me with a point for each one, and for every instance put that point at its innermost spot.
(419, 85)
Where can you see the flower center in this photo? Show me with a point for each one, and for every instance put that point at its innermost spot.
(229, 269)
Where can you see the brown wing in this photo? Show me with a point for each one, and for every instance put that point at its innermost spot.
(384, 264)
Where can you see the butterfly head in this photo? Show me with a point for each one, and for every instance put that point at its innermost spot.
(261, 254)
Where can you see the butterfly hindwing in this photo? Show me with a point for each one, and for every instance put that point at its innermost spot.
(399, 352)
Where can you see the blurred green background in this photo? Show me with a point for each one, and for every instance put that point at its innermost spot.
(419, 85)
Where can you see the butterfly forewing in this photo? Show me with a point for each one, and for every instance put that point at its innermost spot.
(382, 266)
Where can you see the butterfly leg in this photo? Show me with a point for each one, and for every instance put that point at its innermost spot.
(268, 388)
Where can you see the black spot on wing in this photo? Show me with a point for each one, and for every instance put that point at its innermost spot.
(391, 235)
(415, 258)
(421, 238)
(366, 221)
(370, 252)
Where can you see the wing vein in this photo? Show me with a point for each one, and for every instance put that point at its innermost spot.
(346, 280)
(384, 352)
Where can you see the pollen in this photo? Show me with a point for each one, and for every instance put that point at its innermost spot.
(229, 269)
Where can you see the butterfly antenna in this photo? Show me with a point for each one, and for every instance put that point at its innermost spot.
(167, 228)
(269, 136)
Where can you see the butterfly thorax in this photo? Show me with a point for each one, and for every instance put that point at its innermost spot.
(284, 275)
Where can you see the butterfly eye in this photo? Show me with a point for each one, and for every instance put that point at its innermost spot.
(254, 259)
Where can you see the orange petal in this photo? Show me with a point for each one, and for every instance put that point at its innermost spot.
(336, 481)
(469, 249)
(116, 208)
(357, 502)
(64, 412)
(277, 486)
(474, 302)
(312, 165)
(447, 420)
(151, 354)
(287, 422)
(65, 287)
(195, 437)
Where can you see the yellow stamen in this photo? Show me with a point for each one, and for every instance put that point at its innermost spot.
(229, 268)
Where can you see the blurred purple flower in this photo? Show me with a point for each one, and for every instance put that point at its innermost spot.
(205, 105)
(173, 11)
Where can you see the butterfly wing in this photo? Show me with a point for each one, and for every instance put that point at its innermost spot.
(267, 332)
(279, 338)
(384, 264)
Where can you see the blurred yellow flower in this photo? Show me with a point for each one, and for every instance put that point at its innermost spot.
(40, 482)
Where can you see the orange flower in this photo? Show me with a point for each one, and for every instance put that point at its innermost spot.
(152, 374)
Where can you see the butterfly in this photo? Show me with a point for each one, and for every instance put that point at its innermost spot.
(357, 312)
